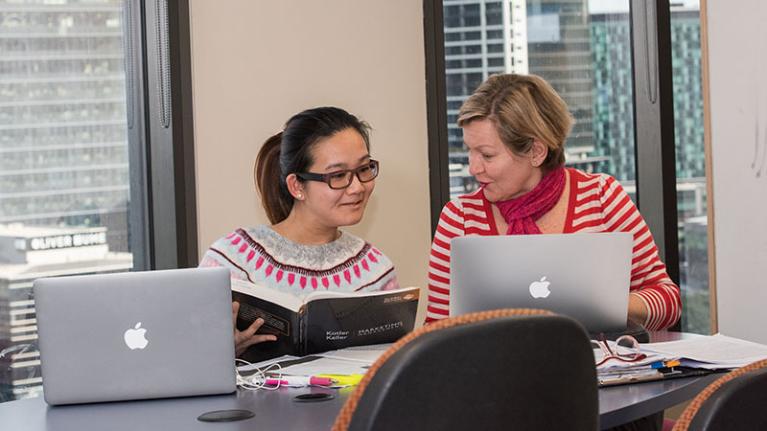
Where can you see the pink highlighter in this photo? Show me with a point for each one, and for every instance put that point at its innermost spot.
(299, 381)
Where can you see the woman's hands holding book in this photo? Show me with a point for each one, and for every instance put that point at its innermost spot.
(248, 337)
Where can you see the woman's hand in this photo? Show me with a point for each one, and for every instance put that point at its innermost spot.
(248, 337)
(637, 309)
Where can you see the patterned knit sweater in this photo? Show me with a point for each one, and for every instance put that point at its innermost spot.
(597, 203)
(264, 257)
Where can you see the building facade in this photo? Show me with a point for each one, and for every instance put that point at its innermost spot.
(26, 254)
(64, 165)
(63, 141)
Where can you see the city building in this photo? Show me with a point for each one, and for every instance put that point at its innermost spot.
(613, 118)
(63, 142)
(64, 174)
(28, 253)
(546, 38)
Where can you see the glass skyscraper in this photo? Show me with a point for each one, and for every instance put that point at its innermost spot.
(63, 116)
(64, 174)
(613, 93)
(545, 37)
(585, 53)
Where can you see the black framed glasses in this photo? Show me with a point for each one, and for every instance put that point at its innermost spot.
(343, 179)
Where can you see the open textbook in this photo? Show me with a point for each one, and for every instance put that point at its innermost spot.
(323, 320)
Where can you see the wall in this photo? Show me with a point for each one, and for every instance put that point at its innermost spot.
(737, 39)
(255, 63)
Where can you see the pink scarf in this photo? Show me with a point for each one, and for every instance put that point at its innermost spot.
(522, 212)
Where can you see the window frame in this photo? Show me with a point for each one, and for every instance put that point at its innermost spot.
(167, 139)
(436, 108)
(653, 120)
(654, 126)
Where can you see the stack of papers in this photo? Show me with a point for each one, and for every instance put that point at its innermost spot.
(680, 358)
(614, 371)
(711, 352)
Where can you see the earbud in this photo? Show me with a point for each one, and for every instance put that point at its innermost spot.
(257, 380)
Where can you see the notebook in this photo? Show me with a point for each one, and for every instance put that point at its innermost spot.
(585, 276)
(135, 335)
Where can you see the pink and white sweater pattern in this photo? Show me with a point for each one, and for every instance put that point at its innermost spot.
(262, 256)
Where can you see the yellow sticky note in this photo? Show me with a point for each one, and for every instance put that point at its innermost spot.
(344, 379)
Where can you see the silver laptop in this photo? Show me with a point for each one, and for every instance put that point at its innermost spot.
(585, 276)
(135, 335)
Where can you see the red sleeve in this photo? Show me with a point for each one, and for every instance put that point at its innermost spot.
(450, 225)
(649, 279)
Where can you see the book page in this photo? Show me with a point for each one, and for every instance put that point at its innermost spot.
(324, 365)
(715, 349)
(333, 294)
(366, 354)
(287, 300)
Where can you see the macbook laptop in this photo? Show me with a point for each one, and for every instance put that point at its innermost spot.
(135, 335)
(585, 276)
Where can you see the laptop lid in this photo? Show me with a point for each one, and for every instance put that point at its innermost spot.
(135, 335)
(585, 276)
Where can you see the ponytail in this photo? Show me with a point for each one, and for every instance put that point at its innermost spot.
(275, 198)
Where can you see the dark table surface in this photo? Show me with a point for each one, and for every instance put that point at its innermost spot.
(278, 409)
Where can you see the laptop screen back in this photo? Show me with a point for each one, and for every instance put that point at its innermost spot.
(135, 335)
(585, 276)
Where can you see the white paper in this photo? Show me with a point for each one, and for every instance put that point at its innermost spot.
(717, 349)
(326, 366)
(365, 354)
(320, 365)
(264, 364)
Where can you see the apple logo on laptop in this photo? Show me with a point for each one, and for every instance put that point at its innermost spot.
(540, 289)
(135, 337)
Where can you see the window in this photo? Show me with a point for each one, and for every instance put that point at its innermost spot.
(617, 64)
(74, 157)
(65, 198)
(583, 51)
(690, 168)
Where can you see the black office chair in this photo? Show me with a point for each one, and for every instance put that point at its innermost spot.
(501, 369)
(735, 401)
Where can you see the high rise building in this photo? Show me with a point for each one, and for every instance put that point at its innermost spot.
(613, 107)
(482, 37)
(559, 50)
(63, 127)
(613, 89)
(545, 37)
(688, 97)
(64, 174)
(28, 253)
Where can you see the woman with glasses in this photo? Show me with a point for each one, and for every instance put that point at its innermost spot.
(514, 128)
(313, 177)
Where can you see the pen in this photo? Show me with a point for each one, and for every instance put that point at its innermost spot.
(664, 364)
(299, 381)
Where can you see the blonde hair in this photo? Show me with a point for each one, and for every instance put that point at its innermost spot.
(523, 108)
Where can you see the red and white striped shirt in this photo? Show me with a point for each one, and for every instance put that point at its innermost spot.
(597, 203)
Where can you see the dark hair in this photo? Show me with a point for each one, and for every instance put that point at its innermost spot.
(290, 151)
